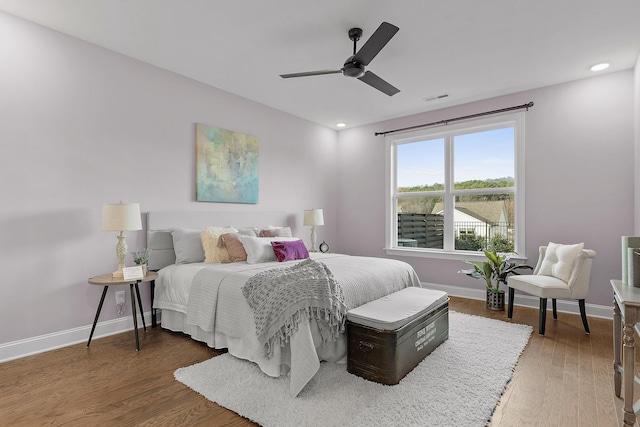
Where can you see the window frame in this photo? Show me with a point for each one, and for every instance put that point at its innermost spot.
(448, 194)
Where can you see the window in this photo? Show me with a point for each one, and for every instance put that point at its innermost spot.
(457, 189)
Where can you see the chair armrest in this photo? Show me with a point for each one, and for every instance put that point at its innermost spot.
(542, 250)
(581, 274)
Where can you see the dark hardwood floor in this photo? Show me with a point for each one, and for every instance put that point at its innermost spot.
(562, 379)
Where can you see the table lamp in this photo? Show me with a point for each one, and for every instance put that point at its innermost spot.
(313, 217)
(121, 217)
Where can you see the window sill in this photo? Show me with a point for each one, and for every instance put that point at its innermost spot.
(453, 256)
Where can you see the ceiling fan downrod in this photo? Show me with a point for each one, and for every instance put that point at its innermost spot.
(353, 68)
(355, 34)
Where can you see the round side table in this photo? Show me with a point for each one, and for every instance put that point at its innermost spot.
(107, 280)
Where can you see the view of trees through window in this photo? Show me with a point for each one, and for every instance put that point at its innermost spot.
(469, 176)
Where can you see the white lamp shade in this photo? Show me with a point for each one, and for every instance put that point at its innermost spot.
(121, 217)
(313, 217)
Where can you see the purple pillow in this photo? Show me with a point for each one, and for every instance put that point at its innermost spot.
(288, 251)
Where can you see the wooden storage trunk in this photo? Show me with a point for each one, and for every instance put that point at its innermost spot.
(386, 356)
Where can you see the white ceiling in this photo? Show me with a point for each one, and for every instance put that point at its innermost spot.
(470, 50)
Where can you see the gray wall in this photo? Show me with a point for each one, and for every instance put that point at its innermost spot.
(636, 115)
(579, 177)
(82, 126)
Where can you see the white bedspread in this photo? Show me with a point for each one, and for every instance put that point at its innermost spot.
(215, 311)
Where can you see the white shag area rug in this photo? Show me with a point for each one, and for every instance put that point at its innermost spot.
(458, 384)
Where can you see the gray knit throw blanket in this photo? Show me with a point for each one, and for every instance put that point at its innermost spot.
(284, 297)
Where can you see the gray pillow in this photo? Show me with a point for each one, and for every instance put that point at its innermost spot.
(187, 245)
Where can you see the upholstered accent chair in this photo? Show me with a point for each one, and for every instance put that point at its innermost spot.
(562, 272)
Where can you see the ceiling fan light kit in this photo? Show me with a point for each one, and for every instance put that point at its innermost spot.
(355, 65)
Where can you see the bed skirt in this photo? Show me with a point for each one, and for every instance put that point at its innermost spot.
(176, 321)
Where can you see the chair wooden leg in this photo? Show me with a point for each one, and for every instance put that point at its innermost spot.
(543, 316)
(510, 309)
(555, 309)
(583, 314)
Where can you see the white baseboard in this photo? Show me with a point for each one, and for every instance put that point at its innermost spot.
(569, 306)
(40, 344)
(22, 348)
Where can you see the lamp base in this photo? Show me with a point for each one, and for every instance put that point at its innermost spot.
(313, 239)
(121, 252)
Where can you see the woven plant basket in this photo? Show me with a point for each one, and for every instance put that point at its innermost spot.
(495, 300)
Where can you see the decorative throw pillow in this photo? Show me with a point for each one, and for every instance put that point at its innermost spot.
(275, 232)
(259, 249)
(559, 260)
(213, 252)
(234, 247)
(187, 245)
(288, 251)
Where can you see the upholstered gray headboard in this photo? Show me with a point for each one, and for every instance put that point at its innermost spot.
(160, 224)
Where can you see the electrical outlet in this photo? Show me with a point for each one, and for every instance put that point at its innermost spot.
(120, 297)
(120, 302)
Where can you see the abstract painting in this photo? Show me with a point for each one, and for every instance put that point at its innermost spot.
(226, 166)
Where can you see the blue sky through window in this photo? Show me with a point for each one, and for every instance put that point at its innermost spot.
(480, 155)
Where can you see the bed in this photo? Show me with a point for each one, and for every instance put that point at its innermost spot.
(206, 302)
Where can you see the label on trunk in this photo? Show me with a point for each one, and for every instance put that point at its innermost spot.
(425, 335)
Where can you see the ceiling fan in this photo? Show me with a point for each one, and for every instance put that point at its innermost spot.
(354, 65)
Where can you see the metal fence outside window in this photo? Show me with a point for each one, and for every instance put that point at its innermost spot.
(483, 229)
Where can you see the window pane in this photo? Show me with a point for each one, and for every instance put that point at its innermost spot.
(420, 166)
(484, 159)
(484, 222)
(420, 222)
(471, 169)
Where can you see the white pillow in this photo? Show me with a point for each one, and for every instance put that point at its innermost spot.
(187, 245)
(272, 231)
(559, 260)
(259, 249)
(212, 251)
(249, 231)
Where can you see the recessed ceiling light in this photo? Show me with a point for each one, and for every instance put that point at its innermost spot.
(599, 67)
(341, 125)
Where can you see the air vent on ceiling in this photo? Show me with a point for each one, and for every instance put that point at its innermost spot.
(436, 97)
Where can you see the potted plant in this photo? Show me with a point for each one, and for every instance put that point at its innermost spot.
(141, 257)
(494, 271)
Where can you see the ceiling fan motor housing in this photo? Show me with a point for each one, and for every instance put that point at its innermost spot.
(353, 68)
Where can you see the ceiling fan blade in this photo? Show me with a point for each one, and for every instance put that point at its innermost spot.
(376, 42)
(310, 73)
(376, 82)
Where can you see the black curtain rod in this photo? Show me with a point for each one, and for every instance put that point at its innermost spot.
(472, 116)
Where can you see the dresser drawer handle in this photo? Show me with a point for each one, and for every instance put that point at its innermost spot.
(365, 346)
